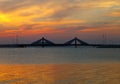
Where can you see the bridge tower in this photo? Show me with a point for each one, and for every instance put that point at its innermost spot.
(76, 42)
(42, 42)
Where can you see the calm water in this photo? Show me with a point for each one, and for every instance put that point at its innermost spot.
(58, 55)
(59, 66)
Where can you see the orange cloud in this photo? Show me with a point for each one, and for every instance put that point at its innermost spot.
(98, 3)
(90, 30)
(65, 17)
(115, 14)
(102, 29)
(12, 31)
(108, 4)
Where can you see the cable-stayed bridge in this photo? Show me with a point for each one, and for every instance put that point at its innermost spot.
(76, 42)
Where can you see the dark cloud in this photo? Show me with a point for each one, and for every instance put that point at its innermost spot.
(62, 13)
(10, 5)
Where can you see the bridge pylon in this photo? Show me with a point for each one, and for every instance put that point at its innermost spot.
(42, 42)
(75, 41)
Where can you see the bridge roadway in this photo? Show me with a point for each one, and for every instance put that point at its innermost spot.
(46, 43)
(58, 45)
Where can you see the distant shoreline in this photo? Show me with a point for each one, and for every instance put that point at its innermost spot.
(59, 45)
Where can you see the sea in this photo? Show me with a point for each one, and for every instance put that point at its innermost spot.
(60, 65)
(57, 55)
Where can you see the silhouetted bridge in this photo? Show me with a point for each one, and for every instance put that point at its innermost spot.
(74, 42)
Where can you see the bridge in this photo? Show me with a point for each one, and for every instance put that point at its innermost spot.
(76, 42)
(43, 42)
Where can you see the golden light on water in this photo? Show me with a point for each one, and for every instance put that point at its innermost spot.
(60, 74)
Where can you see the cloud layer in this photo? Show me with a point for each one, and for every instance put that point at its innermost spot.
(59, 16)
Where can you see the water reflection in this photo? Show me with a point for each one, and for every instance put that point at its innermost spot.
(60, 74)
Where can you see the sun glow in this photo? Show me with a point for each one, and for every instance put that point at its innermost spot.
(4, 18)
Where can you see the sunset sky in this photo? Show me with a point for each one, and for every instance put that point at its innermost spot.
(59, 20)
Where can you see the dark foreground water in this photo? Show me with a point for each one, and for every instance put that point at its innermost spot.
(58, 55)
